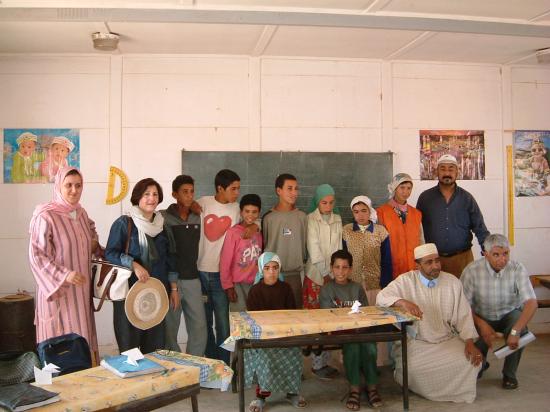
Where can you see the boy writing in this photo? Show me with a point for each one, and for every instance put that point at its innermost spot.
(341, 292)
(284, 230)
(183, 230)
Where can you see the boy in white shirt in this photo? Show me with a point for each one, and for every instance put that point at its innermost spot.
(219, 213)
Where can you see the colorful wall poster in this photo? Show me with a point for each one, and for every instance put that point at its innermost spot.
(531, 159)
(35, 155)
(468, 146)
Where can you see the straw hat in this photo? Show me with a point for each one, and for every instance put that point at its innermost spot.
(146, 304)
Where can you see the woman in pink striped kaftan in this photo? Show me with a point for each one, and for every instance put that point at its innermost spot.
(62, 238)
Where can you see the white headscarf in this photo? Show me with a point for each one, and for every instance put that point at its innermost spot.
(364, 199)
(263, 260)
(396, 181)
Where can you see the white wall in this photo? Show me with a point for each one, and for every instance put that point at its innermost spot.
(138, 112)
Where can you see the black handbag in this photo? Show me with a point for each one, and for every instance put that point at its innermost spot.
(70, 352)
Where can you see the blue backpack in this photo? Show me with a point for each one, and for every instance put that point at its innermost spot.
(70, 352)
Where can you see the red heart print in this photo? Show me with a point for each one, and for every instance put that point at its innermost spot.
(215, 227)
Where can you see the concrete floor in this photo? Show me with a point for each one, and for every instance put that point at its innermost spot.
(533, 394)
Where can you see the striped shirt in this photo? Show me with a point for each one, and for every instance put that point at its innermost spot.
(493, 295)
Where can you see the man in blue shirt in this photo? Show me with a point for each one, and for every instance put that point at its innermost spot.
(449, 216)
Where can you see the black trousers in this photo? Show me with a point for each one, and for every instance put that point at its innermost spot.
(504, 325)
(128, 336)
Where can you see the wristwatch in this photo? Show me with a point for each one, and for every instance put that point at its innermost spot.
(514, 332)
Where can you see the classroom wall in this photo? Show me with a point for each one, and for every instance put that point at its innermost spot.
(138, 112)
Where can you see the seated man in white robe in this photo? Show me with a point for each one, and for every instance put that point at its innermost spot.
(443, 360)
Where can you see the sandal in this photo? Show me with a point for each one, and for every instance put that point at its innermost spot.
(257, 405)
(296, 400)
(375, 401)
(354, 401)
(509, 383)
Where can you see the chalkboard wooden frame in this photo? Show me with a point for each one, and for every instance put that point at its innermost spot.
(350, 173)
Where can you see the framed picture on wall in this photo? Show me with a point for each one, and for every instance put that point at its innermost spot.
(468, 146)
(35, 155)
(531, 162)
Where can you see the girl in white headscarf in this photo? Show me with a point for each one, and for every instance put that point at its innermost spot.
(369, 244)
(276, 369)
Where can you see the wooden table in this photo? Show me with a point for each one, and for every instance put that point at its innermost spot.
(298, 328)
(544, 280)
(98, 389)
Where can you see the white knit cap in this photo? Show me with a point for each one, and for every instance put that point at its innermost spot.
(447, 158)
(364, 199)
(396, 181)
(27, 136)
(425, 250)
(62, 140)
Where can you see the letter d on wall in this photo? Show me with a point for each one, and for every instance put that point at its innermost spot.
(113, 173)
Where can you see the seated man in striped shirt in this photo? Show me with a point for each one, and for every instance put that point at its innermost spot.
(502, 300)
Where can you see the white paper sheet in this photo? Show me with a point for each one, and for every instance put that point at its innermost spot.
(355, 307)
(133, 356)
(505, 350)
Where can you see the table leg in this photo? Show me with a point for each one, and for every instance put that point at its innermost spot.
(234, 357)
(194, 403)
(405, 367)
(240, 373)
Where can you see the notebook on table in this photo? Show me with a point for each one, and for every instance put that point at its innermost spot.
(120, 367)
(23, 396)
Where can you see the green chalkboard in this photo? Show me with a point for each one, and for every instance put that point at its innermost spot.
(350, 174)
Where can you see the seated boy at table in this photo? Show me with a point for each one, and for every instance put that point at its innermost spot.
(273, 369)
(342, 292)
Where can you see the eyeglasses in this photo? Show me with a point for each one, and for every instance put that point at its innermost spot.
(537, 149)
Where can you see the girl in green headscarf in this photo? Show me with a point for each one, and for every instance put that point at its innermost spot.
(324, 237)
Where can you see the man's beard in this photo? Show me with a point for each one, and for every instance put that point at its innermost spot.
(447, 180)
(434, 274)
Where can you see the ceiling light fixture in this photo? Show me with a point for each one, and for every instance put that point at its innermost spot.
(543, 55)
(105, 41)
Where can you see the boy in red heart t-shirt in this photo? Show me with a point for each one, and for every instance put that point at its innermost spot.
(218, 214)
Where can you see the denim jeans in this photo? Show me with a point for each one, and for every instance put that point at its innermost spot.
(216, 308)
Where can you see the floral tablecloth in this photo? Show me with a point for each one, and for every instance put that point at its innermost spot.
(97, 388)
(213, 373)
(272, 324)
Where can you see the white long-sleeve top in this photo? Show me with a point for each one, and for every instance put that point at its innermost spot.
(324, 237)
